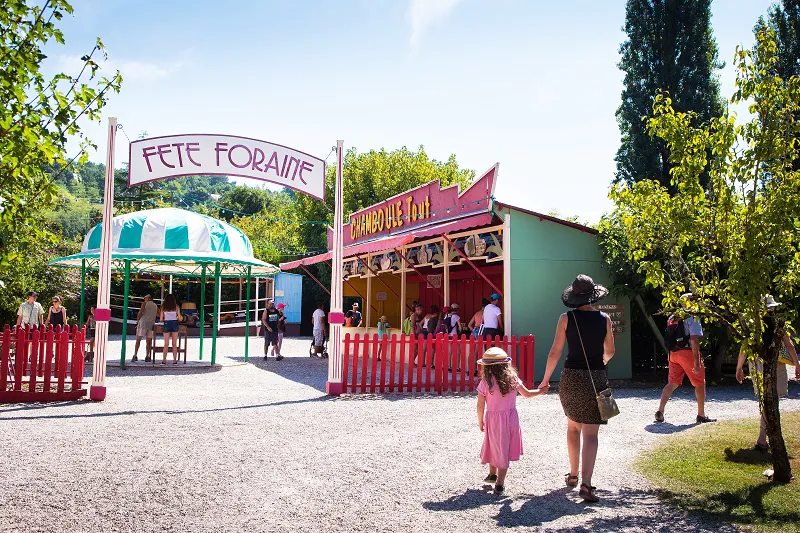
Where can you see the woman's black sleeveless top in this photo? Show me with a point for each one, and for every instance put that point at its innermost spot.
(593, 326)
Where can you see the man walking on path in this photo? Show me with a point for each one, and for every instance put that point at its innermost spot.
(145, 322)
(492, 318)
(270, 322)
(319, 328)
(685, 359)
(30, 312)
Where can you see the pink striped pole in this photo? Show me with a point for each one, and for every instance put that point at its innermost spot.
(102, 314)
(336, 317)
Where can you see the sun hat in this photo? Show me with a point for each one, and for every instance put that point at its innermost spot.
(355, 304)
(494, 356)
(495, 296)
(769, 301)
(583, 291)
(453, 306)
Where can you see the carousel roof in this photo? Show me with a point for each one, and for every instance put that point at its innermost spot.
(171, 241)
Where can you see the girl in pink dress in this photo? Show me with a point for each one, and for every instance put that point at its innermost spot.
(497, 414)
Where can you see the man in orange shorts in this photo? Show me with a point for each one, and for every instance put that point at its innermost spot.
(687, 362)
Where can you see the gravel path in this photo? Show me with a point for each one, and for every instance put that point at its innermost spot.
(260, 447)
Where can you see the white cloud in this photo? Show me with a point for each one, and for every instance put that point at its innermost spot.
(131, 70)
(425, 13)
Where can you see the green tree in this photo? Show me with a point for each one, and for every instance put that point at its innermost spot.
(670, 47)
(784, 20)
(38, 117)
(738, 239)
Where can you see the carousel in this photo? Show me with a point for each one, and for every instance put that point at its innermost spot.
(176, 243)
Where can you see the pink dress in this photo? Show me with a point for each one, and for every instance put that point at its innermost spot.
(502, 437)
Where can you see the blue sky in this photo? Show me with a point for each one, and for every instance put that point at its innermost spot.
(533, 85)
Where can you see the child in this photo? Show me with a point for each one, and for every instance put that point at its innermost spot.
(383, 331)
(497, 414)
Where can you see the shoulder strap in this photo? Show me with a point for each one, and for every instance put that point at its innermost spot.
(588, 367)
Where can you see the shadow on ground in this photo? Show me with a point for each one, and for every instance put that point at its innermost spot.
(309, 371)
(36, 407)
(530, 510)
(665, 428)
(748, 456)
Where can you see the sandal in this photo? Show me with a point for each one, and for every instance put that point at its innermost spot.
(587, 493)
(571, 481)
(498, 489)
(491, 478)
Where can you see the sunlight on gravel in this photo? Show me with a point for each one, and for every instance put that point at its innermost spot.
(260, 447)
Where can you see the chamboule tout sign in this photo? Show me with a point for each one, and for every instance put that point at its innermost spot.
(159, 158)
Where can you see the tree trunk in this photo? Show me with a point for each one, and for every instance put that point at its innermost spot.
(780, 456)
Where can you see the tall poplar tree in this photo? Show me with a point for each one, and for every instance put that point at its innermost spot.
(670, 47)
(784, 20)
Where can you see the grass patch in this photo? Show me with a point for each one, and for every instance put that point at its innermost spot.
(713, 470)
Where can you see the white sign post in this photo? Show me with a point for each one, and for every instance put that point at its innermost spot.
(334, 386)
(158, 158)
(102, 313)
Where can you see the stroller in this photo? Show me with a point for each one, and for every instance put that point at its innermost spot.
(313, 352)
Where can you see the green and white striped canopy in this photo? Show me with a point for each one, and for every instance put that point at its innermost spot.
(172, 241)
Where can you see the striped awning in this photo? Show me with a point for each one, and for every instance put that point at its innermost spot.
(172, 241)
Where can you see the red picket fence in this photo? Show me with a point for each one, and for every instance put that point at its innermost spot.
(41, 364)
(454, 367)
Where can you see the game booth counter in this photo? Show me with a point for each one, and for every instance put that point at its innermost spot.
(440, 246)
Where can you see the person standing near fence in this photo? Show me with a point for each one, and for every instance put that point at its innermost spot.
(590, 346)
(475, 324)
(497, 414)
(30, 312)
(145, 324)
(56, 315)
(383, 332)
(492, 318)
(170, 316)
(319, 328)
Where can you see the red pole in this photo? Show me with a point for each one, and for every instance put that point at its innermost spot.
(48, 358)
(393, 348)
(374, 354)
(4, 358)
(324, 288)
(22, 353)
(345, 356)
(364, 361)
(470, 263)
(34, 359)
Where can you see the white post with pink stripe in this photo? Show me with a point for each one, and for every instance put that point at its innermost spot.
(102, 314)
(334, 386)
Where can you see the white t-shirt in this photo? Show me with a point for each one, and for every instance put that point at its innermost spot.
(317, 319)
(490, 314)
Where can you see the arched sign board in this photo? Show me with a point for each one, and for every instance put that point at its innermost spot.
(172, 156)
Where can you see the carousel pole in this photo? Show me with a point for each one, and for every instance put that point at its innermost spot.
(247, 317)
(81, 318)
(125, 312)
(102, 314)
(215, 318)
(336, 317)
(202, 308)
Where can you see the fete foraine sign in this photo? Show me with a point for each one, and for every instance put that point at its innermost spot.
(159, 158)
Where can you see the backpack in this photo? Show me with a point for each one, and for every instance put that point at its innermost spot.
(444, 325)
(407, 326)
(675, 336)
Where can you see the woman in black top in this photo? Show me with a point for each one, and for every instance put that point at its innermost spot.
(590, 341)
